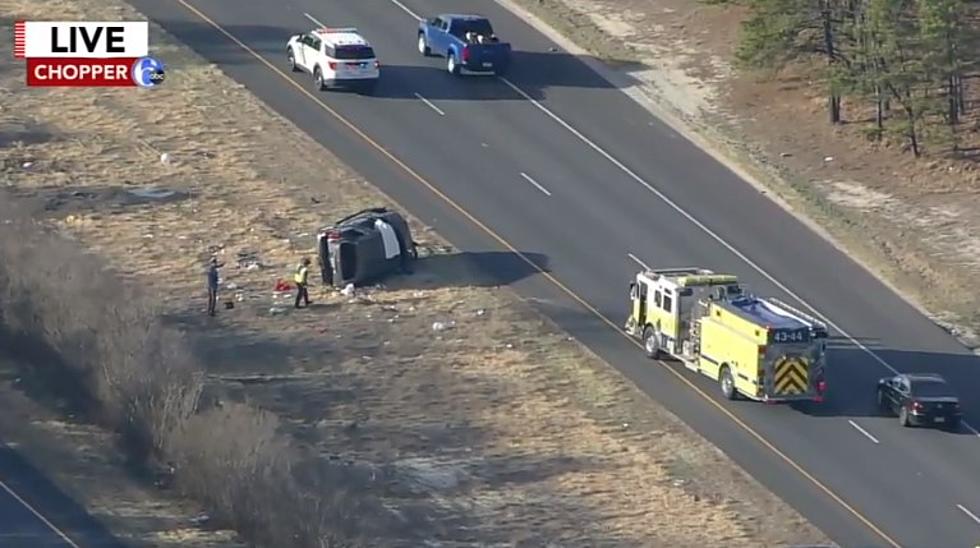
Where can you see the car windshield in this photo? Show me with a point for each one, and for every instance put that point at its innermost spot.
(353, 52)
(931, 389)
(477, 26)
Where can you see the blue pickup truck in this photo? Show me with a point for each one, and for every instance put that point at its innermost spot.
(466, 41)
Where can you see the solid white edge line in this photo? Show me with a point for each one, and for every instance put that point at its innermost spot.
(704, 228)
(406, 9)
(863, 431)
(426, 101)
(37, 514)
(638, 261)
(968, 513)
(315, 22)
(535, 183)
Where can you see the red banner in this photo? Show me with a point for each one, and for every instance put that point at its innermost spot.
(48, 72)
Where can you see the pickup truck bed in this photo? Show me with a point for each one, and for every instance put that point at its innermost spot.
(466, 41)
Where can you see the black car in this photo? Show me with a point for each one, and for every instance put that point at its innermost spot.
(365, 246)
(920, 399)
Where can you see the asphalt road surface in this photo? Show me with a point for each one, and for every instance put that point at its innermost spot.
(34, 513)
(574, 174)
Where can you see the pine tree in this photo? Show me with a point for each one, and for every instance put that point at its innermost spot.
(942, 35)
(778, 32)
(781, 31)
(900, 70)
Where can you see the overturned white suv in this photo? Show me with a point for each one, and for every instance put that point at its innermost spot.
(336, 57)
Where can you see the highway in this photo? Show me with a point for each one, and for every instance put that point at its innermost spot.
(561, 166)
(35, 513)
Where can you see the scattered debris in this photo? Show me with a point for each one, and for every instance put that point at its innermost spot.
(348, 290)
(828, 159)
(165, 158)
(442, 326)
(249, 260)
(152, 193)
(27, 165)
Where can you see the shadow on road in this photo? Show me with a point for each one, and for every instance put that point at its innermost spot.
(18, 522)
(471, 269)
(853, 378)
(533, 72)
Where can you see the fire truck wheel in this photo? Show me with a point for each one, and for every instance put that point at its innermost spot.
(727, 383)
(651, 342)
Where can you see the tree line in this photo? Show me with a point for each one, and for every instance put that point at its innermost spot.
(905, 61)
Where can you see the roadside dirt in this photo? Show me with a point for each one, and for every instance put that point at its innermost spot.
(453, 401)
(914, 222)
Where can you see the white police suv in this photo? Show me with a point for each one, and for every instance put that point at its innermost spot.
(336, 57)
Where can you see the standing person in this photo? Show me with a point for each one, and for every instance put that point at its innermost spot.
(213, 286)
(300, 277)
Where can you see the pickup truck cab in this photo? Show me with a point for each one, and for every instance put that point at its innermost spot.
(466, 41)
(336, 57)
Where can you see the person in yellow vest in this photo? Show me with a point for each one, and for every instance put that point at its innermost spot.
(300, 277)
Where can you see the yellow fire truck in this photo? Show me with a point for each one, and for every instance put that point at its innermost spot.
(758, 347)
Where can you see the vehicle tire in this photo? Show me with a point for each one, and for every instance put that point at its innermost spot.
(727, 383)
(881, 401)
(292, 61)
(651, 342)
(318, 79)
(424, 47)
(451, 65)
(903, 417)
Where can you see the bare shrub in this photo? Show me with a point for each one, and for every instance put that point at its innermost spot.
(138, 370)
(146, 383)
(223, 453)
(233, 458)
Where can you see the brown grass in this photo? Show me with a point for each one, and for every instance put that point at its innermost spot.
(499, 429)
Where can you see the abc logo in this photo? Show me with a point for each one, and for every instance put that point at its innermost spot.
(148, 72)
